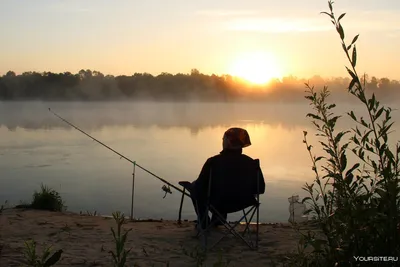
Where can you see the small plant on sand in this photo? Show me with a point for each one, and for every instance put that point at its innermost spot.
(47, 199)
(200, 257)
(1, 211)
(120, 254)
(2, 207)
(221, 262)
(357, 206)
(45, 260)
(197, 254)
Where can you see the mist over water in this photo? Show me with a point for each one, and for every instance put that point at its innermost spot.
(170, 139)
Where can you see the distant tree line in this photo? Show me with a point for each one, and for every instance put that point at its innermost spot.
(88, 85)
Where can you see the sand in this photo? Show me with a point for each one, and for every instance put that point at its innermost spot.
(86, 241)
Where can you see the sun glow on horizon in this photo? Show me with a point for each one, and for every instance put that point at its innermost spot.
(256, 67)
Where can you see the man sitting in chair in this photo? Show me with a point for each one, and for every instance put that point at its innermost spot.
(230, 168)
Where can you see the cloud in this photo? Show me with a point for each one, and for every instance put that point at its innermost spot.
(363, 21)
(275, 25)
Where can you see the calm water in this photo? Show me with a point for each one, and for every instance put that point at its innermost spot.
(171, 140)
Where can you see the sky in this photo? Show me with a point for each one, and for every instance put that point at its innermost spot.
(122, 37)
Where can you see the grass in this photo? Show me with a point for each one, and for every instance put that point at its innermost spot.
(120, 254)
(44, 260)
(47, 199)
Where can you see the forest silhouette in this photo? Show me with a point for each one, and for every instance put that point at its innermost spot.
(88, 85)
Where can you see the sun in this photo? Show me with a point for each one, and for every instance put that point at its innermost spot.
(255, 67)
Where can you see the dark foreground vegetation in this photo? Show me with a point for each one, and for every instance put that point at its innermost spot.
(90, 85)
(356, 205)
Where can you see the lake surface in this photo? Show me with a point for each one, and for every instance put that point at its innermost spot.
(173, 140)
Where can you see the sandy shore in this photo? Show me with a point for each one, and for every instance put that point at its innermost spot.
(86, 240)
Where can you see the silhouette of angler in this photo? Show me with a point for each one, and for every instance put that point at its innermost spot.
(225, 172)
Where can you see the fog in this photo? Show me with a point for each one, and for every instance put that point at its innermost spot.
(194, 116)
(88, 85)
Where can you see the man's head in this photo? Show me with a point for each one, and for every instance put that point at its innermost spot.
(235, 138)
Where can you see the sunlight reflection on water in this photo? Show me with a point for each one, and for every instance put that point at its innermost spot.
(36, 148)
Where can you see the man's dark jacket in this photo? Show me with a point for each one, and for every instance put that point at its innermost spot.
(233, 179)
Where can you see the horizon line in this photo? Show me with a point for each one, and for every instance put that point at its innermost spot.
(3, 74)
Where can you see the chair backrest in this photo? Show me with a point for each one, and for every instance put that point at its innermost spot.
(234, 182)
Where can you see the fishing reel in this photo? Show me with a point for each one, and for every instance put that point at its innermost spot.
(167, 190)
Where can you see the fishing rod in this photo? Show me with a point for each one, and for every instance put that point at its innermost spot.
(122, 156)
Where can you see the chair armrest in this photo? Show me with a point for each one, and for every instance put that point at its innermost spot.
(185, 184)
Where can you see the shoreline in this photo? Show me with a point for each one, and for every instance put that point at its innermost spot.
(87, 239)
(95, 214)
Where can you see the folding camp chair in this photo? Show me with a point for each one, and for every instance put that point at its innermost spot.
(247, 198)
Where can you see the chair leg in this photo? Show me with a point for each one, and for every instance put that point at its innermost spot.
(231, 228)
(202, 233)
(247, 229)
(257, 225)
(249, 221)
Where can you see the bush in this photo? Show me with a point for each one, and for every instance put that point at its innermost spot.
(47, 199)
(357, 207)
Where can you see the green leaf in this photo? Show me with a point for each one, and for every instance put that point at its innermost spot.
(344, 48)
(352, 115)
(355, 140)
(330, 6)
(331, 106)
(354, 39)
(354, 57)
(358, 131)
(355, 166)
(373, 100)
(305, 199)
(313, 116)
(53, 259)
(352, 74)
(307, 211)
(386, 129)
(365, 137)
(343, 161)
(340, 31)
(379, 113)
(364, 123)
(349, 178)
(339, 137)
(385, 137)
(326, 13)
(380, 192)
(351, 85)
(374, 165)
(46, 254)
(341, 16)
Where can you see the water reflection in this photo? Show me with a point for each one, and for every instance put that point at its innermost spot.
(172, 141)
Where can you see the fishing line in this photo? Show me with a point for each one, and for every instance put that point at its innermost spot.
(164, 188)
